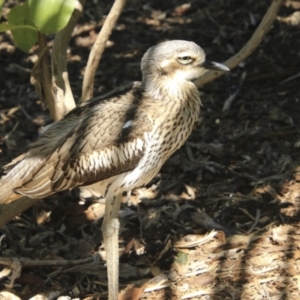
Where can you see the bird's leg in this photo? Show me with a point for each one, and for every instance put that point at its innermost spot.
(110, 230)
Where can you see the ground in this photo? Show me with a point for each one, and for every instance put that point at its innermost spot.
(221, 220)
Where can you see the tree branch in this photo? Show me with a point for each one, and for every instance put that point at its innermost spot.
(41, 78)
(98, 49)
(52, 84)
(60, 77)
(250, 46)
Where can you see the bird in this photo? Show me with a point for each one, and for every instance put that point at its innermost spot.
(116, 142)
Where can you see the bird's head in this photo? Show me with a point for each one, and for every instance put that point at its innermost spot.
(178, 60)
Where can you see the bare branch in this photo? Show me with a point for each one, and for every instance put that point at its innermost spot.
(98, 48)
(41, 79)
(251, 45)
(60, 76)
(53, 84)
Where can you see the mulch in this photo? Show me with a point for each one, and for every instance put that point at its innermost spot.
(222, 218)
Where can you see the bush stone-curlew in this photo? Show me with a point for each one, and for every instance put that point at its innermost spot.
(116, 142)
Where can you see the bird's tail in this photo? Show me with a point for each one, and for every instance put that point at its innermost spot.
(7, 193)
(10, 181)
(9, 198)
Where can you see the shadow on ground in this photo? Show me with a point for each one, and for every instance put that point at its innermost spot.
(221, 220)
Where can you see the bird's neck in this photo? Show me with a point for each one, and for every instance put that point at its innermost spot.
(163, 88)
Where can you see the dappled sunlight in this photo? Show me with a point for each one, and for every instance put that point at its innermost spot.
(221, 219)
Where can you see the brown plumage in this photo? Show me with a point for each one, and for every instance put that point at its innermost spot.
(119, 140)
(116, 142)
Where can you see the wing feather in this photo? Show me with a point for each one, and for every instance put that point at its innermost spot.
(87, 146)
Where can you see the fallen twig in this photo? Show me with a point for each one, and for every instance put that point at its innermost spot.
(258, 214)
(290, 78)
(233, 96)
(28, 263)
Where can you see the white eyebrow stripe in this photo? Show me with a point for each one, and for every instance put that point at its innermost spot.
(127, 124)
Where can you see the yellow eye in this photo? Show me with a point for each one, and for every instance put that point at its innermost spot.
(185, 60)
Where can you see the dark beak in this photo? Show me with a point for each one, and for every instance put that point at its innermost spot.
(211, 65)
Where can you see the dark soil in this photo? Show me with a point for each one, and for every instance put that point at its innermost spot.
(238, 174)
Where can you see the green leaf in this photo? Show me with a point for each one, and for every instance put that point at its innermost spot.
(1, 3)
(22, 29)
(51, 16)
(19, 15)
(6, 26)
(24, 38)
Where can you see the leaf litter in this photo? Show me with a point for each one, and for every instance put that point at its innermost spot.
(221, 220)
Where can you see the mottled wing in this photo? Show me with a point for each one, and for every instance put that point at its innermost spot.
(94, 142)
